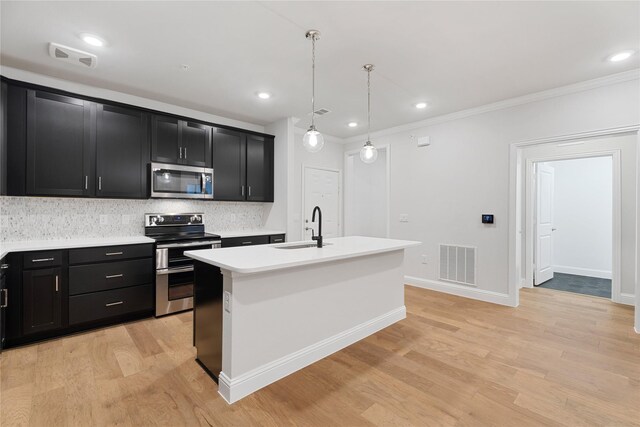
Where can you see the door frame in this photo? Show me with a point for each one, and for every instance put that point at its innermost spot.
(515, 197)
(530, 204)
(534, 220)
(348, 190)
(304, 195)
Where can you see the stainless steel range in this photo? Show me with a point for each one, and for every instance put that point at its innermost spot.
(174, 234)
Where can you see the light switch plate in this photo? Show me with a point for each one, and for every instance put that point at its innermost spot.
(104, 220)
(404, 217)
(227, 301)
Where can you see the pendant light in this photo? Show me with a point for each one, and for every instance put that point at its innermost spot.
(368, 153)
(313, 140)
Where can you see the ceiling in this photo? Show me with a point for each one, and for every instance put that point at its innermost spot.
(453, 55)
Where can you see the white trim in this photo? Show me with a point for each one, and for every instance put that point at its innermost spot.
(578, 271)
(508, 103)
(515, 231)
(628, 299)
(347, 190)
(234, 389)
(461, 290)
(340, 197)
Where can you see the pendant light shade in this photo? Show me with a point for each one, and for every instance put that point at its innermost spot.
(368, 153)
(313, 141)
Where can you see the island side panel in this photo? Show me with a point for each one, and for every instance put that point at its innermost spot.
(207, 317)
(283, 320)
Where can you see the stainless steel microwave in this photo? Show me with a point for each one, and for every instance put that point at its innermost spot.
(181, 182)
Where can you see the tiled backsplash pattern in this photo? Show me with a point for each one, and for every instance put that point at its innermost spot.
(46, 218)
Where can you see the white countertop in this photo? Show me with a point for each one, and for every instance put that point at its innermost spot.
(259, 258)
(246, 233)
(42, 245)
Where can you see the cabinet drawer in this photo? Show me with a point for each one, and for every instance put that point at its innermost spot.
(109, 253)
(42, 259)
(110, 275)
(108, 304)
(276, 238)
(245, 241)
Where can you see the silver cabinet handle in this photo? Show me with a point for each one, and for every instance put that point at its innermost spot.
(247, 243)
(114, 276)
(185, 152)
(553, 229)
(5, 299)
(99, 183)
(86, 182)
(243, 191)
(180, 152)
(249, 191)
(114, 303)
(42, 259)
(4, 266)
(57, 283)
(113, 253)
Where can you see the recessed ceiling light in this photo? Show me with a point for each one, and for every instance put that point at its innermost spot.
(421, 105)
(352, 124)
(621, 56)
(92, 40)
(264, 95)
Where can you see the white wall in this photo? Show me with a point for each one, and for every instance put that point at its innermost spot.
(330, 157)
(583, 216)
(276, 213)
(366, 206)
(444, 188)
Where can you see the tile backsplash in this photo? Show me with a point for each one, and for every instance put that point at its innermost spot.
(46, 218)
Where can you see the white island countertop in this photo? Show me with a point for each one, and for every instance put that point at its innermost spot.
(260, 258)
(43, 245)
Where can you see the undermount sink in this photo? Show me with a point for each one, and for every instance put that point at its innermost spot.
(301, 246)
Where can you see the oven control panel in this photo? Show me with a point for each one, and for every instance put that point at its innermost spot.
(152, 220)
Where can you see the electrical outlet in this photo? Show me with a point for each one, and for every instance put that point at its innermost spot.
(404, 217)
(227, 301)
(424, 259)
(104, 220)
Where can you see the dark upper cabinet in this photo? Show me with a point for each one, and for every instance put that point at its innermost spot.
(41, 300)
(196, 144)
(180, 141)
(165, 139)
(60, 146)
(229, 172)
(122, 146)
(4, 92)
(259, 168)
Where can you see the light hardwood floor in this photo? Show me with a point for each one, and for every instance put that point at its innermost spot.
(558, 359)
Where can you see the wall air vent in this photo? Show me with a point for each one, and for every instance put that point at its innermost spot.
(458, 264)
(72, 56)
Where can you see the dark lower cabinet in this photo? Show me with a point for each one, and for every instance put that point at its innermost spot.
(60, 145)
(109, 304)
(122, 152)
(231, 242)
(41, 300)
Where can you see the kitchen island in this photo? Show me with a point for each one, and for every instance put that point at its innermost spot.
(264, 312)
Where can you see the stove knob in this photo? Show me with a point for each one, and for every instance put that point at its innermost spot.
(153, 219)
(193, 219)
(160, 219)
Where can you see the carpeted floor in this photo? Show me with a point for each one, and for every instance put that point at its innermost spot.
(579, 284)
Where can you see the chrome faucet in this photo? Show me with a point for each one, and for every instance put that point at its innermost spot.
(317, 238)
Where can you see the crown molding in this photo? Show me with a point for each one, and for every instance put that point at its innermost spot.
(507, 103)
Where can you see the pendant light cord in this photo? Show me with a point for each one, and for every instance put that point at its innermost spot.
(313, 80)
(369, 105)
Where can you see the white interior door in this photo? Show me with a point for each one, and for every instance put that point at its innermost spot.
(321, 188)
(544, 224)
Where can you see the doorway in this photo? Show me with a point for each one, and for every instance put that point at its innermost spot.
(321, 187)
(367, 195)
(573, 225)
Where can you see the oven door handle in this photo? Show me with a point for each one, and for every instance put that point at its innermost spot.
(174, 270)
(186, 245)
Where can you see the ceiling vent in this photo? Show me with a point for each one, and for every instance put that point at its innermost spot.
(321, 112)
(72, 56)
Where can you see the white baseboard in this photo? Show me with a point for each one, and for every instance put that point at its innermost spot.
(234, 389)
(602, 274)
(637, 329)
(628, 299)
(461, 291)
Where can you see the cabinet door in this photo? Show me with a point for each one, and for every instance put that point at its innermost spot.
(259, 169)
(196, 144)
(165, 139)
(229, 160)
(122, 152)
(59, 145)
(41, 300)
